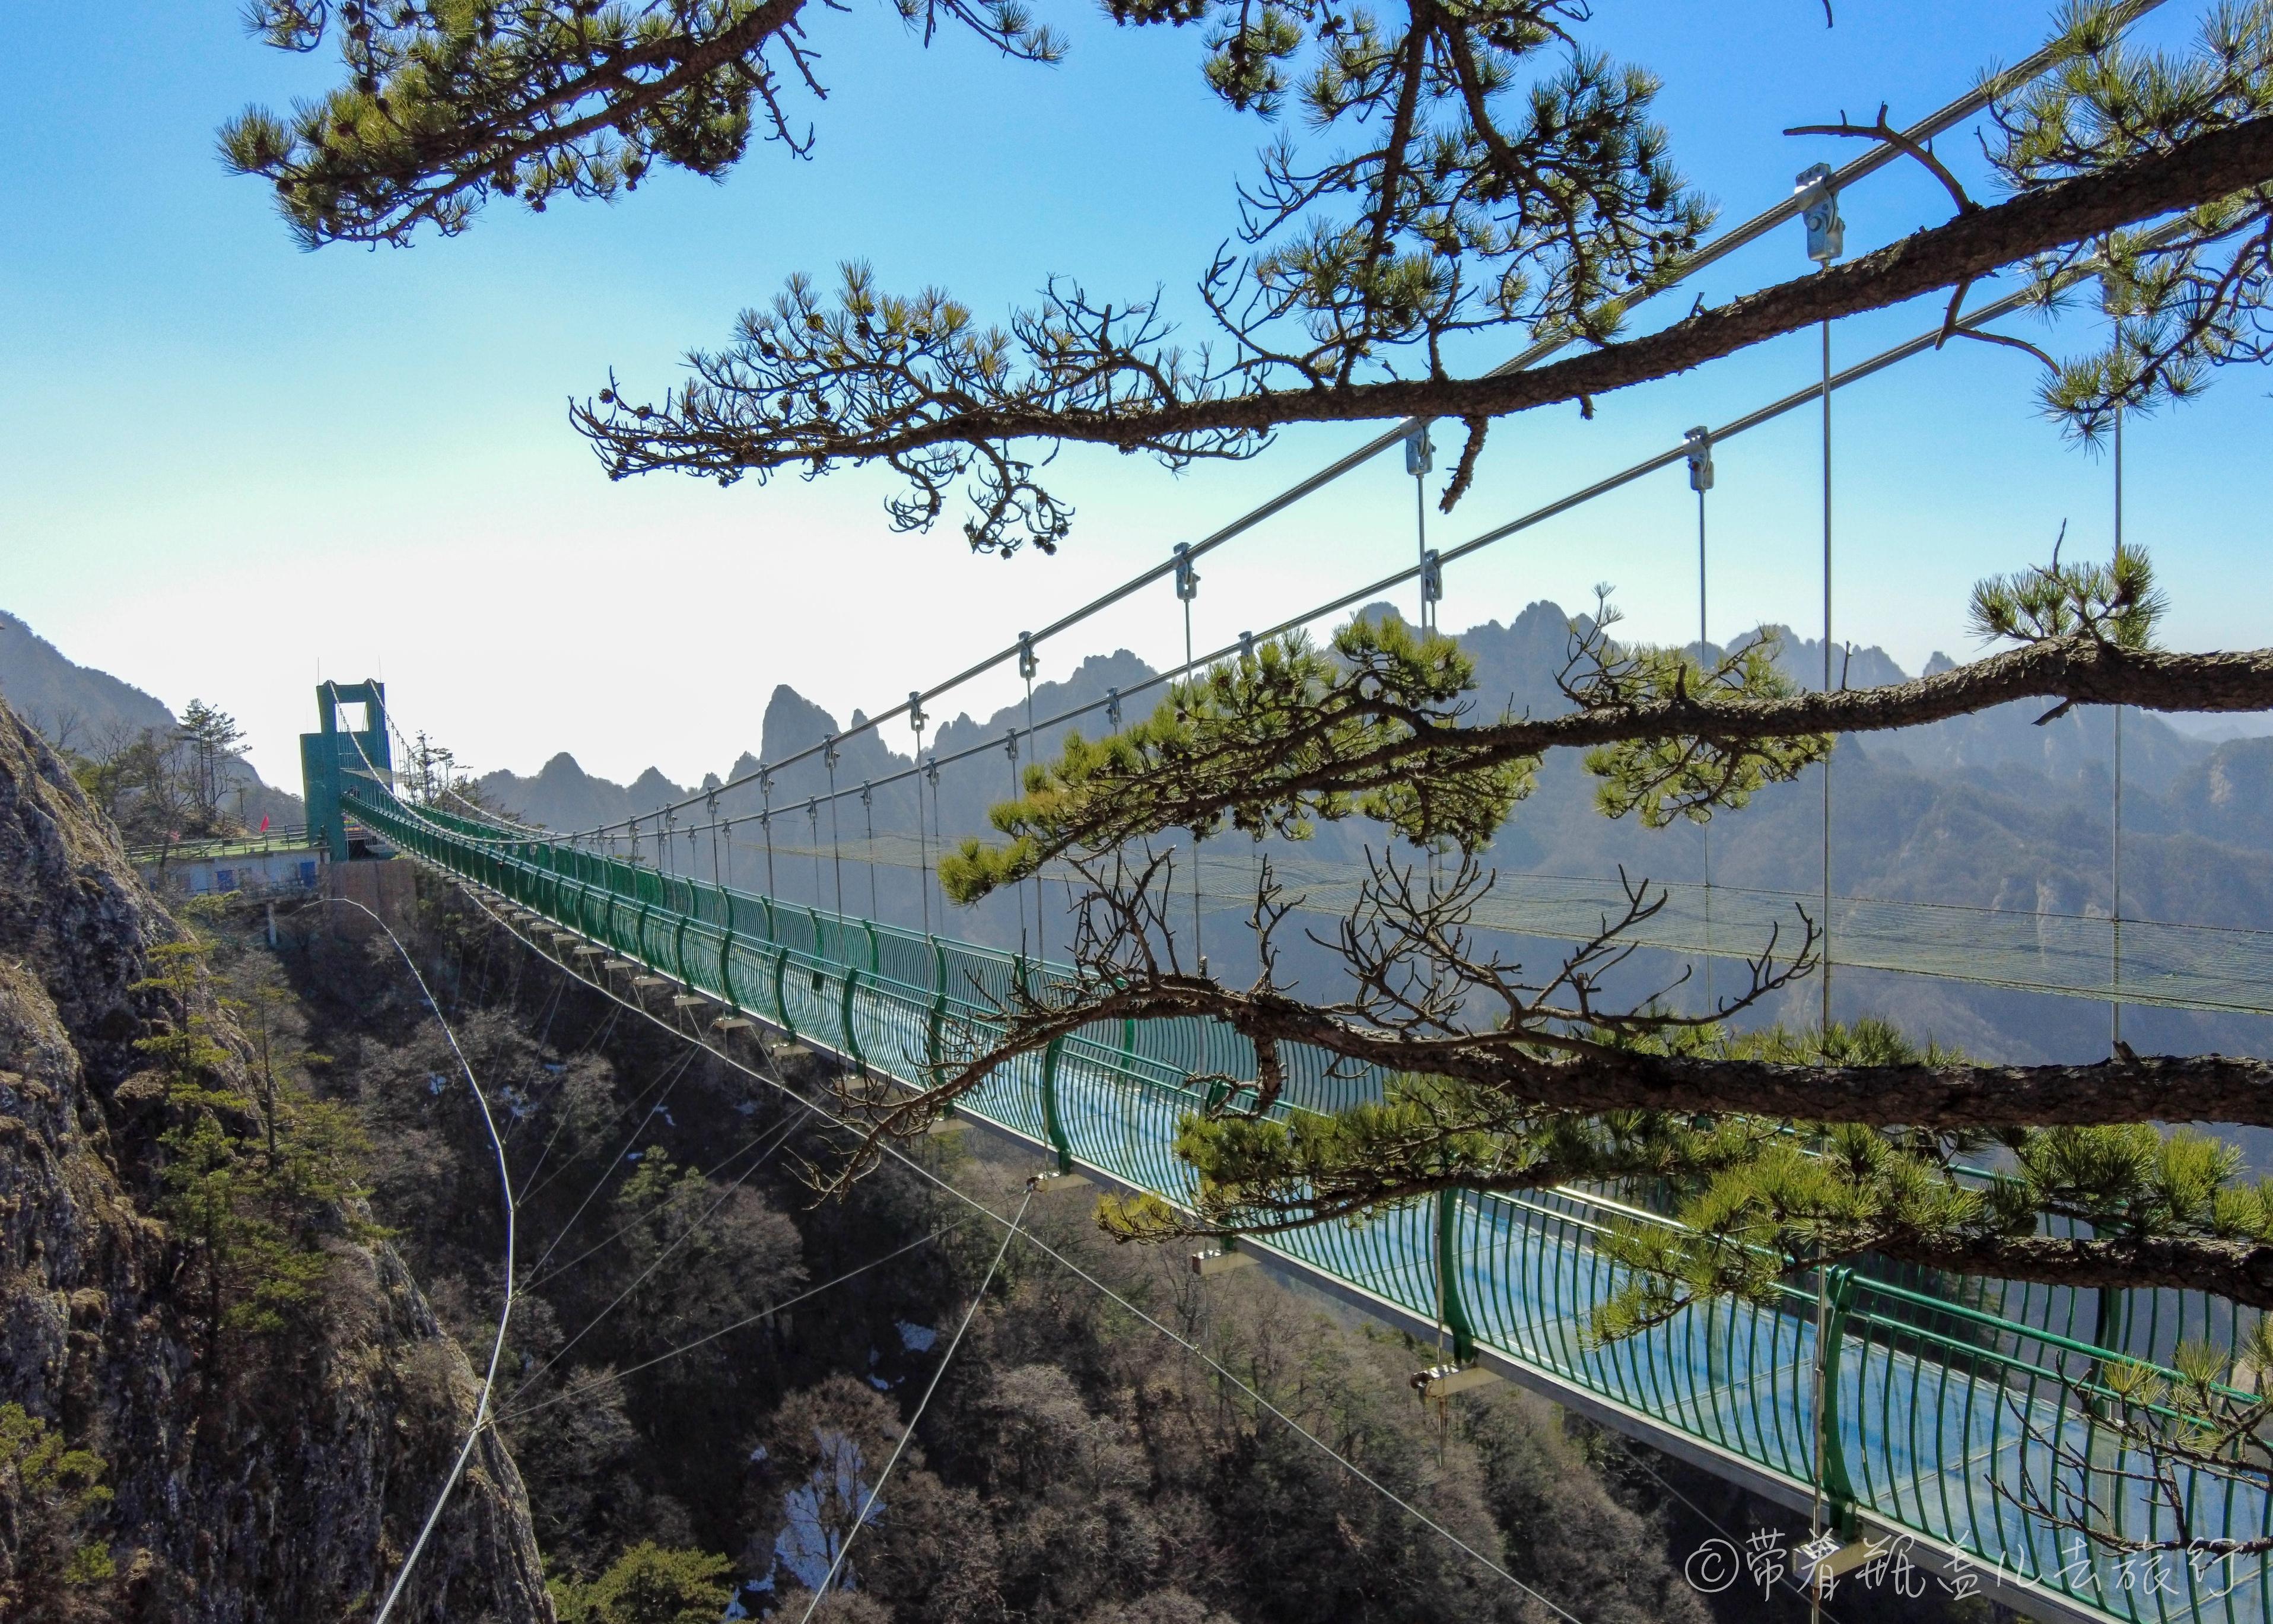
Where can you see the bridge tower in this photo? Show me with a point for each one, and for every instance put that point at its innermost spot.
(335, 755)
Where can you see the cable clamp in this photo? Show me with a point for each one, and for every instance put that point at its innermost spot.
(1112, 708)
(1432, 577)
(1819, 211)
(1420, 450)
(916, 718)
(1188, 580)
(1027, 664)
(1700, 443)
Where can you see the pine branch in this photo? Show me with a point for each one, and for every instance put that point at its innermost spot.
(1270, 752)
(2240, 1271)
(1588, 1076)
(721, 426)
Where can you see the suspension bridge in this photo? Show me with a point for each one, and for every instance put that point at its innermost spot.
(1908, 1415)
(1909, 1412)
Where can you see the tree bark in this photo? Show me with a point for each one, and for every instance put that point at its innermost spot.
(2199, 171)
(2211, 1088)
(2241, 1271)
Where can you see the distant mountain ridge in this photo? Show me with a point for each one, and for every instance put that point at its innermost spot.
(2228, 783)
(80, 708)
(1990, 810)
(53, 693)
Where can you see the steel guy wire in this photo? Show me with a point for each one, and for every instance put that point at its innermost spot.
(597, 1035)
(1876, 157)
(845, 1547)
(712, 1171)
(1703, 1515)
(569, 1395)
(916, 1167)
(666, 1072)
(607, 1168)
(661, 1258)
(551, 1008)
(504, 1313)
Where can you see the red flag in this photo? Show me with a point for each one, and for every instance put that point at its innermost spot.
(264, 824)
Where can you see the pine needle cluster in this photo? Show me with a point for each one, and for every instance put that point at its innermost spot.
(2177, 301)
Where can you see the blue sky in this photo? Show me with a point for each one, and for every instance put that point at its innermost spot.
(230, 464)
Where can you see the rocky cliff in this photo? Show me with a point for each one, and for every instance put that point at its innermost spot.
(279, 1478)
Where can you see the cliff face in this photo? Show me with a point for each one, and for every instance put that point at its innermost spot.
(288, 1484)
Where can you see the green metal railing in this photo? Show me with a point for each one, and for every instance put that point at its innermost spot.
(278, 838)
(1939, 1395)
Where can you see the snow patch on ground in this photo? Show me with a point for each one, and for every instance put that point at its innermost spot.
(819, 1512)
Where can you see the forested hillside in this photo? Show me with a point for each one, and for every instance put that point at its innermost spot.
(676, 1399)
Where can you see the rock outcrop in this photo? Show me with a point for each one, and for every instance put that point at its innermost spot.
(289, 1485)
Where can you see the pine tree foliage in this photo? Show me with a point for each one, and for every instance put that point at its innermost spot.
(211, 736)
(1502, 194)
(1768, 1152)
(447, 104)
(1435, 173)
(648, 1584)
(2180, 303)
(258, 1171)
(54, 1565)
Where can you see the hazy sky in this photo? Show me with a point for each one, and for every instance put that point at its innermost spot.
(229, 464)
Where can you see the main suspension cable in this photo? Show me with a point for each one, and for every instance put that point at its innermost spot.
(1813, 392)
(1875, 157)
